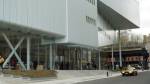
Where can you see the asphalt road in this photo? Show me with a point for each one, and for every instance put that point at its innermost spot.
(142, 78)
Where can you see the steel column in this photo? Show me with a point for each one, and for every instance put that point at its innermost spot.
(13, 51)
(81, 55)
(120, 52)
(69, 58)
(50, 57)
(99, 60)
(38, 58)
(112, 58)
(28, 52)
(46, 51)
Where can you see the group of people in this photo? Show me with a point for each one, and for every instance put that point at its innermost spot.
(13, 63)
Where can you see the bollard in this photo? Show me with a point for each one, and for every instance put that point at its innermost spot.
(107, 74)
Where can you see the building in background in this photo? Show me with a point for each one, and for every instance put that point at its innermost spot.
(62, 34)
(135, 50)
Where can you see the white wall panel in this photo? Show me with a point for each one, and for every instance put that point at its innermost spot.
(52, 15)
(45, 15)
(80, 31)
(1, 9)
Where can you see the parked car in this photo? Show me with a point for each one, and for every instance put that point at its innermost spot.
(137, 66)
(128, 71)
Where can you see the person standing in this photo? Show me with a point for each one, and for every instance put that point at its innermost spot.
(14, 63)
(1, 62)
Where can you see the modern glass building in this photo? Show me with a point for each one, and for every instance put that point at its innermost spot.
(61, 34)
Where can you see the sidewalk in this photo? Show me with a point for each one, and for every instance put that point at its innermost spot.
(79, 79)
(64, 79)
(83, 79)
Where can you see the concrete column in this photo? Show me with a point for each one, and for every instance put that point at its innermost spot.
(112, 57)
(120, 53)
(51, 57)
(28, 52)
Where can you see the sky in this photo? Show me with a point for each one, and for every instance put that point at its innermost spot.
(144, 17)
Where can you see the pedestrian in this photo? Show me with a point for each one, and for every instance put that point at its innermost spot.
(88, 66)
(1, 62)
(35, 63)
(14, 64)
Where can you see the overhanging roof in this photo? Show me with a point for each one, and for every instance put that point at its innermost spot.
(116, 20)
(21, 29)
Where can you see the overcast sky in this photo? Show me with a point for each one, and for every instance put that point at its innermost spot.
(144, 17)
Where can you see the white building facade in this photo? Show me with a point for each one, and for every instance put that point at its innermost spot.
(29, 26)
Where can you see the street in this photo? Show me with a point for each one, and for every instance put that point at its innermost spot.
(142, 78)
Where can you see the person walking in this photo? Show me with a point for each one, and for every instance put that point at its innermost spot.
(1, 62)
